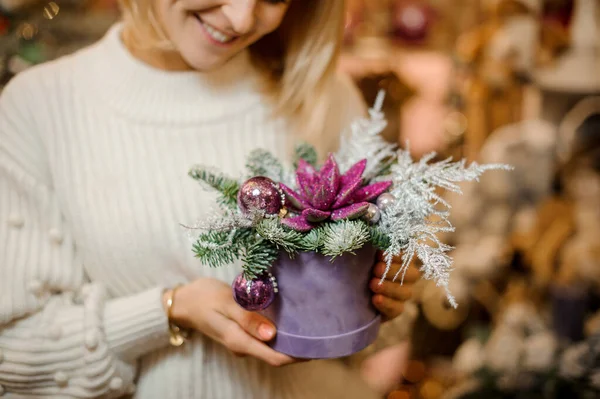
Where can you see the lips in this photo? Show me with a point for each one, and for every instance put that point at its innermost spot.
(214, 33)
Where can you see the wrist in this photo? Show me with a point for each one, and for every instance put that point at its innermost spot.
(176, 310)
(178, 332)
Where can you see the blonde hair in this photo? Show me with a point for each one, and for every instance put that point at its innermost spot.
(299, 61)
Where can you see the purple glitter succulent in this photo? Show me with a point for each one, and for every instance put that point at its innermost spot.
(325, 194)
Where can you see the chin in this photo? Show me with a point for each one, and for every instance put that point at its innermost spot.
(204, 62)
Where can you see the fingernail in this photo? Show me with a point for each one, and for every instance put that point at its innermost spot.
(374, 285)
(266, 331)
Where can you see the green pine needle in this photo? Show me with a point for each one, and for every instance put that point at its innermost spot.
(307, 152)
(313, 240)
(344, 236)
(228, 187)
(220, 248)
(217, 249)
(244, 236)
(258, 258)
(284, 238)
(263, 163)
(379, 239)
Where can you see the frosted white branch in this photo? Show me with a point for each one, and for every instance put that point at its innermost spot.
(364, 141)
(420, 213)
(223, 221)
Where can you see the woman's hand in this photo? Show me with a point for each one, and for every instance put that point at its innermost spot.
(207, 305)
(389, 296)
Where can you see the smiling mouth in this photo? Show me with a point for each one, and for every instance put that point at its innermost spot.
(215, 34)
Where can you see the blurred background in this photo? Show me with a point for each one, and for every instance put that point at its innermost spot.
(511, 81)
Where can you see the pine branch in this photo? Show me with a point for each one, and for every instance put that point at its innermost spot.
(258, 257)
(217, 248)
(379, 239)
(228, 187)
(344, 236)
(245, 236)
(263, 163)
(313, 240)
(307, 152)
(284, 238)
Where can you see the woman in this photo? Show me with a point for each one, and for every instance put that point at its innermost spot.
(94, 150)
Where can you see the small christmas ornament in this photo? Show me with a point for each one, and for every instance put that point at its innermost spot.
(255, 294)
(373, 214)
(260, 194)
(385, 200)
(411, 20)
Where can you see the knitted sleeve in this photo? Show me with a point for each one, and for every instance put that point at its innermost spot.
(59, 334)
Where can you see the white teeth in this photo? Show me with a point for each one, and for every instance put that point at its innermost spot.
(215, 34)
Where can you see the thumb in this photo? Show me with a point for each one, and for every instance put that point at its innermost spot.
(254, 324)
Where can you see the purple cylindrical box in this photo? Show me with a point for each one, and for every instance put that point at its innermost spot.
(323, 308)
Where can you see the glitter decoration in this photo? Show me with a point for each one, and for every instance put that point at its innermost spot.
(260, 194)
(255, 294)
(326, 194)
(385, 200)
(369, 193)
(372, 215)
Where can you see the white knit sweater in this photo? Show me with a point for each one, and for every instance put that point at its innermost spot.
(94, 153)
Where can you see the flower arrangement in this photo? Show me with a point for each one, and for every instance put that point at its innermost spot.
(368, 194)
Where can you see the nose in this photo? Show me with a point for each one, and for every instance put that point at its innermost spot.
(241, 15)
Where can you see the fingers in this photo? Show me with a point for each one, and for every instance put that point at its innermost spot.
(390, 308)
(243, 344)
(231, 335)
(412, 273)
(394, 290)
(253, 323)
(259, 350)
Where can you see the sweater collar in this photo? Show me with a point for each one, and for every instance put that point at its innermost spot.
(152, 95)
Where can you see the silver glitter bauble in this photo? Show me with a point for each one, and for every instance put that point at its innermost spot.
(373, 214)
(385, 200)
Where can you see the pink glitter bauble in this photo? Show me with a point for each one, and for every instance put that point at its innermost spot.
(262, 194)
(255, 295)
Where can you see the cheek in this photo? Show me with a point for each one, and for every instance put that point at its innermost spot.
(170, 14)
(161, 8)
(270, 21)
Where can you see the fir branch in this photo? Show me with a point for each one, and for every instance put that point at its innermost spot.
(217, 248)
(288, 240)
(262, 163)
(379, 239)
(313, 240)
(228, 187)
(258, 257)
(307, 152)
(344, 236)
(245, 236)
